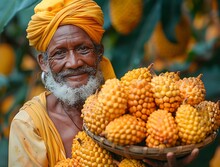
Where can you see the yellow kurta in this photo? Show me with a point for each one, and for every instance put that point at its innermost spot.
(34, 140)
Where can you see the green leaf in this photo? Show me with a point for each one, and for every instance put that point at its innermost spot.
(4, 152)
(9, 9)
(3, 81)
(170, 16)
(203, 50)
(149, 21)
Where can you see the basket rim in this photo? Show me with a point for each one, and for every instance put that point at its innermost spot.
(139, 152)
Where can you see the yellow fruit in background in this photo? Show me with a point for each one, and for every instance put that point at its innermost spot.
(6, 104)
(7, 59)
(165, 48)
(125, 14)
(212, 32)
(28, 63)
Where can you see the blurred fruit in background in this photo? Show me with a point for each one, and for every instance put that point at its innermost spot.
(125, 15)
(7, 57)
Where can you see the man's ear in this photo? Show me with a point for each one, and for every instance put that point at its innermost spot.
(41, 62)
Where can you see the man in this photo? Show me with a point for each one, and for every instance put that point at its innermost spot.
(68, 34)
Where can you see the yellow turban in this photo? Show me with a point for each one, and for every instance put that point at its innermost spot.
(50, 14)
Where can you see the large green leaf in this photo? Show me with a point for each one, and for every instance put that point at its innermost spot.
(170, 15)
(8, 9)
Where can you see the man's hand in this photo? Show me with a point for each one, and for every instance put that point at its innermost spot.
(172, 161)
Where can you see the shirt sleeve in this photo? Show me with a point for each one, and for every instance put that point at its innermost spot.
(26, 147)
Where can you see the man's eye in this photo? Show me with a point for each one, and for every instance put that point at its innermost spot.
(83, 50)
(59, 53)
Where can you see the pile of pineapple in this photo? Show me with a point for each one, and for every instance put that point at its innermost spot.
(160, 111)
(142, 108)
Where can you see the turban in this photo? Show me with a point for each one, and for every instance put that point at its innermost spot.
(50, 14)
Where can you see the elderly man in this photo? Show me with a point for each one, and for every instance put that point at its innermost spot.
(68, 34)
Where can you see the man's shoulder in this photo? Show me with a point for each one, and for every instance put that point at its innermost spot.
(23, 111)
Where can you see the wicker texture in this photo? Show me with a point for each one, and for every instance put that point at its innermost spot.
(141, 152)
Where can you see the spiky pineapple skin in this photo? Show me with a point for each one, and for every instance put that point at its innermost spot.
(161, 129)
(166, 92)
(126, 130)
(113, 99)
(89, 153)
(213, 109)
(192, 90)
(121, 10)
(140, 99)
(192, 125)
(69, 162)
(93, 116)
(131, 163)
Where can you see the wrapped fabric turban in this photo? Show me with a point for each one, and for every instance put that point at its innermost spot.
(50, 14)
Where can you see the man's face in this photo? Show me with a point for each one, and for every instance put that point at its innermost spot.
(71, 56)
(72, 65)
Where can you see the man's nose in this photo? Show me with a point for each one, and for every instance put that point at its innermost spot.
(73, 60)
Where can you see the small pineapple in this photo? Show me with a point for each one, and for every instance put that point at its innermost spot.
(138, 73)
(161, 129)
(89, 153)
(93, 116)
(140, 99)
(193, 125)
(126, 130)
(192, 89)
(113, 99)
(213, 109)
(166, 92)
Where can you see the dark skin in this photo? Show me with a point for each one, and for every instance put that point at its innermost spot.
(71, 48)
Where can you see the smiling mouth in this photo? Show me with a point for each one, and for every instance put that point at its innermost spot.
(77, 78)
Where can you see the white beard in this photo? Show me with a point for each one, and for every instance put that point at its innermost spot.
(73, 96)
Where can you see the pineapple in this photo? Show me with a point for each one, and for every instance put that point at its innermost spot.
(89, 153)
(126, 130)
(161, 129)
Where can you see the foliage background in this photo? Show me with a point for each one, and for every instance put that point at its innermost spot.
(126, 51)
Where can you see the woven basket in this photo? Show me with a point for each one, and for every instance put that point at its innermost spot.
(142, 152)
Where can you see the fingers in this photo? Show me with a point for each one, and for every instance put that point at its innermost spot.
(191, 157)
(171, 159)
